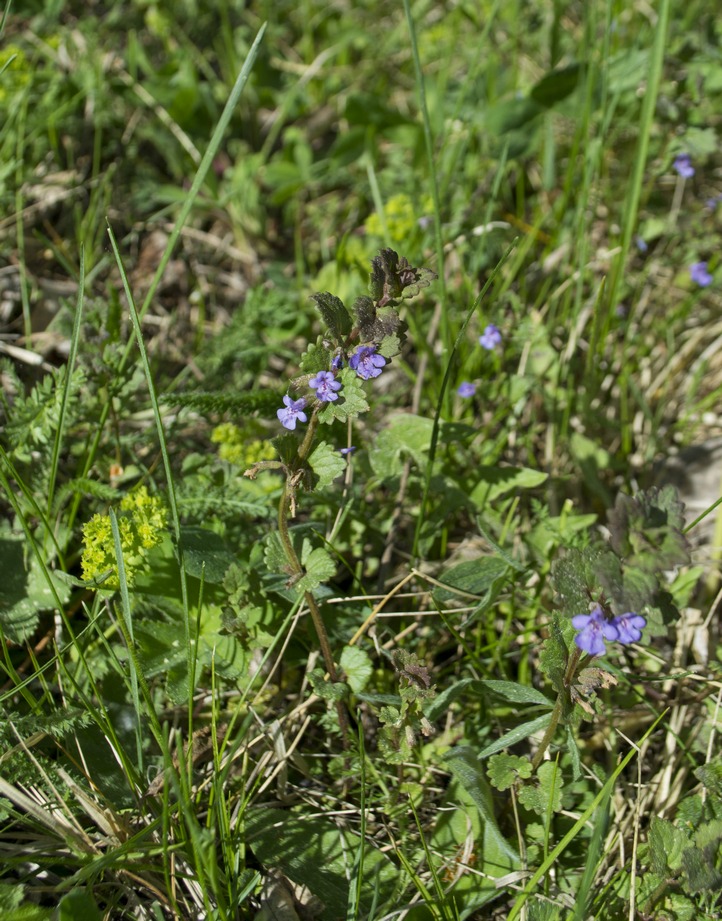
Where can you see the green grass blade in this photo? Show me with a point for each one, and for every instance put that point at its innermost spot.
(69, 367)
(128, 617)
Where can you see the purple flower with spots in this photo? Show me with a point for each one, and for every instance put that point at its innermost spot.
(629, 627)
(699, 274)
(326, 386)
(466, 389)
(594, 629)
(366, 362)
(683, 166)
(292, 412)
(490, 338)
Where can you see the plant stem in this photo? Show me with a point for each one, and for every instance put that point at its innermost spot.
(557, 711)
(297, 570)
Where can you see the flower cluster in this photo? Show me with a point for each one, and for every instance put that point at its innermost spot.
(594, 628)
(141, 525)
(365, 361)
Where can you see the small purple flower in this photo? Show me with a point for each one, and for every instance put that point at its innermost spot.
(490, 338)
(712, 203)
(349, 450)
(366, 363)
(337, 363)
(293, 413)
(629, 626)
(594, 628)
(466, 389)
(699, 274)
(641, 244)
(683, 165)
(326, 386)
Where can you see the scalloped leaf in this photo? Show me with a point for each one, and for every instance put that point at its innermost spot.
(326, 463)
(503, 770)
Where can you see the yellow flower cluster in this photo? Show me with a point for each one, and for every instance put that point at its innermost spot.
(401, 220)
(141, 523)
(17, 72)
(238, 449)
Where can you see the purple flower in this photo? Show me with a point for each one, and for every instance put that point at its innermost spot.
(593, 629)
(641, 243)
(326, 386)
(699, 274)
(490, 338)
(349, 450)
(366, 363)
(629, 627)
(293, 413)
(337, 363)
(683, 166)
(465, 389)
(712, 203)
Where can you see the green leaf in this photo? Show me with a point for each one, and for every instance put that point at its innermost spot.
(524, 731)
(326, 689)
(504, 770)
(365, 312)
(710, 775)
(358, 667)
(334, 314)
(352, 400)
(316, 358)
(666, 844)
(326, 463)
(499, 855)
(556, 85)
(496, 481)
(319, 566)
(516, 693)
(205, 554)
(389, 346)
(24, 589)
(647, 530)
(512, 114)
(545, 798)
(473, 577)
(316, 853)
(575, 577)
(555, 652)
(407, 435)
(78, 905)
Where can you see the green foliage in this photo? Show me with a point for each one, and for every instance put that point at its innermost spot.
(28, 587)
(545, 795)
(446, 567)
(506, 770)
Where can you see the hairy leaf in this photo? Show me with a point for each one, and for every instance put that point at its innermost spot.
(334, 314)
